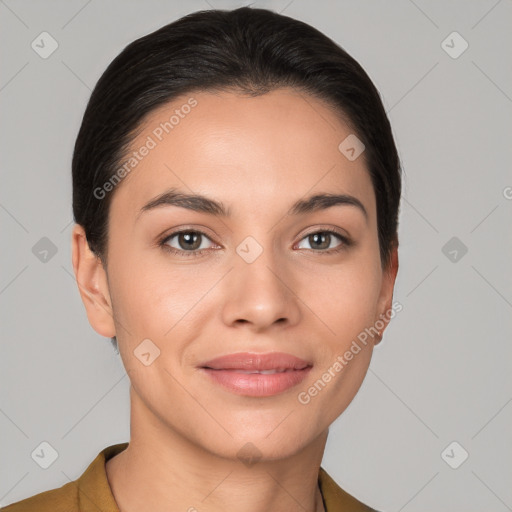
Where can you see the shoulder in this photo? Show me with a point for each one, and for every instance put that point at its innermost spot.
(62, 499)
(89, 493)
(337, 499)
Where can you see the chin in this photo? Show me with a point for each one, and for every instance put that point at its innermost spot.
(252, 445)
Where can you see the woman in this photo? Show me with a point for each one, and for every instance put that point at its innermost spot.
(236, 191)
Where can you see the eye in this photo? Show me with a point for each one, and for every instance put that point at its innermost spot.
(186, 242)
(189, 242)
(320, 241)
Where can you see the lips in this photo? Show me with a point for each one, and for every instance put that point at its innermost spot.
(273, 362)
(257, 375)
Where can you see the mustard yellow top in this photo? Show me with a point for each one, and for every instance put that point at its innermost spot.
(91, 492)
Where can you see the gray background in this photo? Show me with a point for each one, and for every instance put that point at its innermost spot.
(443, 370)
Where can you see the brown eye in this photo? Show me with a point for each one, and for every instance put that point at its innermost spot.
(189, 241)
(321, 241)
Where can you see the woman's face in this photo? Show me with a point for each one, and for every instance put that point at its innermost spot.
(259, 278)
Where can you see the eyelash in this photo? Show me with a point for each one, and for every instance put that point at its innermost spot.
(346, 242)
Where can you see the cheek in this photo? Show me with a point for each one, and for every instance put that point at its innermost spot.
(136, 279)
(156, 299)
(344, 297)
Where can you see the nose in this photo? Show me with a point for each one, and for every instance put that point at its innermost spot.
(260, 294)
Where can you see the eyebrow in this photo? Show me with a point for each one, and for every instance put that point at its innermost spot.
(200, 203)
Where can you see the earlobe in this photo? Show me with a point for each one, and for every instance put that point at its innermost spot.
(92, 284)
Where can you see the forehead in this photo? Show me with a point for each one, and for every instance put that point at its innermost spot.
(249, 152)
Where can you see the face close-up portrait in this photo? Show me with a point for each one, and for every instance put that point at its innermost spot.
(236, 189)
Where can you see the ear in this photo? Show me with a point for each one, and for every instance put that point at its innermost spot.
(385, 302)
(92, 283)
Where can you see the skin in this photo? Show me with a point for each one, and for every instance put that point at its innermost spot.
(257, 156)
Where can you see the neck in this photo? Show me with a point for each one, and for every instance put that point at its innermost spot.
(163, 469)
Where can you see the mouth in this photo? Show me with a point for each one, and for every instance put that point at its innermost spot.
(257, 375)
(249, 372)
(255, 362)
